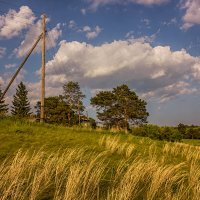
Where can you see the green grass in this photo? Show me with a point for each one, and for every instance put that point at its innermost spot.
(16, 134)
(113, 149)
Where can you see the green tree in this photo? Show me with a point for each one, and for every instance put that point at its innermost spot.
(182, 129)
(120, 107)
(3, 106)
(21, 105)
(73, 96)
(104, 102)
(56, 110)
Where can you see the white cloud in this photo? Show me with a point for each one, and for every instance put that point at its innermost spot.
(12, 23)
(32, 35)
(94, 4)
(91, 34)
(1, 81)
(4, 80)
(72, 24)
(149, 70)
(2, 51)
(8, 66)
(170, 91)
(192, 13)
(86, 29)
(146, 38)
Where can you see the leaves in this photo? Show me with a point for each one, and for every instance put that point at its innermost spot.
(3, 106)
(120, 107)
(21, 105)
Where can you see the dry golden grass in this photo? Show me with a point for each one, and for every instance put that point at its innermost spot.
(77, 175)
(114, 145)
(186, 151)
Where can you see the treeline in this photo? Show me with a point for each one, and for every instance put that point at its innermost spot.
(168, 133)
(119, 108)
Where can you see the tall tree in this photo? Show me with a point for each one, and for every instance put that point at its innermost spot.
(120, 107)
(3, 106)
(55, 110)
(73, 96)
(21, 105)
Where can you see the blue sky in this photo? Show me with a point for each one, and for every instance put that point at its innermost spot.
(151, 45)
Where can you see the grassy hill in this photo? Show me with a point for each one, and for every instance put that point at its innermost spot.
(41, 161)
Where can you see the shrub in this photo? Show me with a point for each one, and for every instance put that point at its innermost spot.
(193, 133)
(158, 133)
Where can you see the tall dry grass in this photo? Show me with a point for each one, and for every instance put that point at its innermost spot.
(78, 175)
(114, 145)
(70, 175)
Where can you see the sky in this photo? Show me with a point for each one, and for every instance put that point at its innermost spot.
(153, 46)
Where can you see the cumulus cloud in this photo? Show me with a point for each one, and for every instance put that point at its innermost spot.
(13, 22)
(2, 51)
(32, 35)
(156, 71)
(94, 4)
(192, 13)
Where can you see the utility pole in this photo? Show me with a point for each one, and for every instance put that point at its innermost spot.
(43, 68)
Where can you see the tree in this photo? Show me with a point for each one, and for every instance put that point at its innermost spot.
(21, 105)
(182, 129)
(56, 110)
(3, 106)
(74, 98)
(120, 107)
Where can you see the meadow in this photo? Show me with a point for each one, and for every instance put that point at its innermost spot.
(41, 161)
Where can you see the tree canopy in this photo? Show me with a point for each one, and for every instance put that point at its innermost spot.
(3, 106)
(73, 96)
(56, 110)
(21, 105)
(120, 107)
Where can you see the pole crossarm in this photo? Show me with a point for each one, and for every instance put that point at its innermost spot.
(21, 65)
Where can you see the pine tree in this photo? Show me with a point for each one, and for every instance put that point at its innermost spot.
(120, 107)
(3, 106)
(21, 105)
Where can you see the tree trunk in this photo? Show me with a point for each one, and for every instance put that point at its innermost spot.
(79, 117)
(126, 121)
(69, 118)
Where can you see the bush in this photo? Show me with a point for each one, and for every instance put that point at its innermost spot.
(170, 134)
(158, 133)
(193, 133)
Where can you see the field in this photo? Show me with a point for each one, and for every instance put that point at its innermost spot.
(40, 161)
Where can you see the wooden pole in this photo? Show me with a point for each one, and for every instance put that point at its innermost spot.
(20, 67)
(43, 69)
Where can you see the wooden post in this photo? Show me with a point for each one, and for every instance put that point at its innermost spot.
(43, 69)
